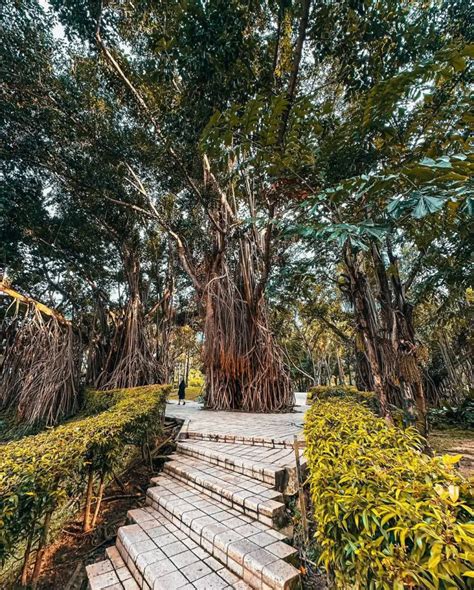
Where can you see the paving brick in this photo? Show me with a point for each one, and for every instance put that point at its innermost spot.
(97, 582)
(280, 575)
(185, 558)
(209, 520)
(173, 580)
(102, 567)
(211, 582)
(197, 570)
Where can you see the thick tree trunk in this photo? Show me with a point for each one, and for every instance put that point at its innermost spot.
(363, 375)
(385, 327)
(367, 322)
(244, 364)
(129, 361)
(407, 347)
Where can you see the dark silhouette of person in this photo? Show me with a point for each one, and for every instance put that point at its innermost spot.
(182, 392)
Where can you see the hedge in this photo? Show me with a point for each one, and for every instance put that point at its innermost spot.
(39, 474)
(319, 392)
(387, 516)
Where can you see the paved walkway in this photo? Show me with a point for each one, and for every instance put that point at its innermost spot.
(277, 427)
(213, 519)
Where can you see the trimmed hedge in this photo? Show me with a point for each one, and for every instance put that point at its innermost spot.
(39, 474)
(386, 515)
(319, 392)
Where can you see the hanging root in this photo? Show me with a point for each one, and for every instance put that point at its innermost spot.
(244, 364)
(128, 360)
(40, 368)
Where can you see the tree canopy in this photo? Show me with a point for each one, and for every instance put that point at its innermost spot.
(239, 167)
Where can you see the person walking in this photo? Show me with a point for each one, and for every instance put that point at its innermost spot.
(182, 393)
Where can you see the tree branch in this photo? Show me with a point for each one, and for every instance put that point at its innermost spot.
(155, 125)
(290, 93)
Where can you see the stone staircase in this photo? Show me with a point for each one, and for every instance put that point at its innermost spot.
(211, 521)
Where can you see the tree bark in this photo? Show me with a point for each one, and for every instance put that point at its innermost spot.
(385, 327)
(244, 365)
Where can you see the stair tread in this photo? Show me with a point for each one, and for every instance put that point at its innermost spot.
(239, 490)
(214, 454)
(228, 477)
(250, 549)
(165, 558)
(111, 573)
(241, 439)
(277, 458)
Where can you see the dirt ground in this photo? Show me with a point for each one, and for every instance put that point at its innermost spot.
(455, 441)
(64, 565)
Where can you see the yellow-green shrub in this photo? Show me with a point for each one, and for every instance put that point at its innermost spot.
(39, 473)
(351, 392)
(386, 515)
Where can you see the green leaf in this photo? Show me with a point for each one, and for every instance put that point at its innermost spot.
(427, 205)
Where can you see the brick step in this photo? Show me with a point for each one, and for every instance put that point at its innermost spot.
(110, 574)
(251, 550)
(254, 498)
(239, 439)
(162, 557)
(275, 467)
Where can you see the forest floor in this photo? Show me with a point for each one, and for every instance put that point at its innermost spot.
(456, 441)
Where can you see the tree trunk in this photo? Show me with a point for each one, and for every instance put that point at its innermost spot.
(87, 509)
(26, 558)
(100, 494)
(130, 361)
(41, 549)
(407, 347)
(366, 325)
(244, 364)
(385, 327)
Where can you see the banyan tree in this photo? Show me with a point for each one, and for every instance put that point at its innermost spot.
(243, 362)
(386, 333)
(120, 352)
(234, 202)
(39, 362)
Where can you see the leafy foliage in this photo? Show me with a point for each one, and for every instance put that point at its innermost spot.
(387, 516)
(40, 473)
(461, 416)
(345, 392)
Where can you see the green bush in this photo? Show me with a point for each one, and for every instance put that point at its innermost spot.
(196, 378)
(461, 416)
(40, 473)
(386, 515)
(321, 392)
